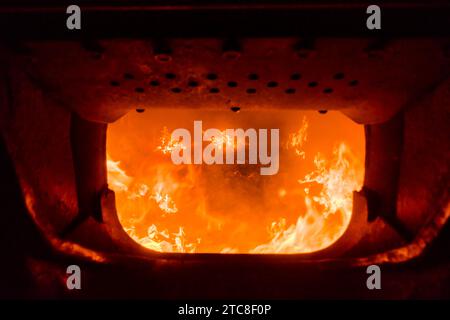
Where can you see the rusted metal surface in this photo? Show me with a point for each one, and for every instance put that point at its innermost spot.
(103, 80)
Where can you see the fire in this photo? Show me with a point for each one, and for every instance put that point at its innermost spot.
(222, 140)
(231, 209)
(167, 144)
(163, 241)
(164, 201)
(337, 178)
(116, 176)
(298, 139)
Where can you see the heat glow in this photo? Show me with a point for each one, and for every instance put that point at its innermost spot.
(231, 208)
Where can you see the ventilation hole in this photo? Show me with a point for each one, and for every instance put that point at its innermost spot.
(139, 90)
(253, 76)
(339, 76)
(128, 76)
(154, 83)
(114, 83)
(327, 90)
(214, 90)
(272, 84)
(232, 84)
(353, 83)
(296, 76)
(176, 90)
(163, 58)
(171, 76)
(251, 90)
(290, 90)
(235, 109)
(312, 84)
(193, 83)
(211, 76)
(323, 111)
(140, 110)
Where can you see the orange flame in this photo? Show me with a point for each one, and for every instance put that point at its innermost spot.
(164, 201)
(326, 192)
(328, 214)
(167, 144)
(298, 139)
(223, 139)
(163, 241)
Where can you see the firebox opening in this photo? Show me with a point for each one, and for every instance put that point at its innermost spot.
(231, 208)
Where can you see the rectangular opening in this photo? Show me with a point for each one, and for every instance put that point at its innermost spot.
(304, 206)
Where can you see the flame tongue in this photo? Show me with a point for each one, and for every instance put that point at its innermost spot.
(327, 215)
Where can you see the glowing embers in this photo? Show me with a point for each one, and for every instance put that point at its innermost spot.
(306, 207)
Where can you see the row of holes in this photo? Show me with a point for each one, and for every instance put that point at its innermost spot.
(248, 91)
(234, 84)
(272, 84)
(234, 109)
(214, 76)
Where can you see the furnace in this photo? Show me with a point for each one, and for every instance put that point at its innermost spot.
(342, 161)
(305, 207)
